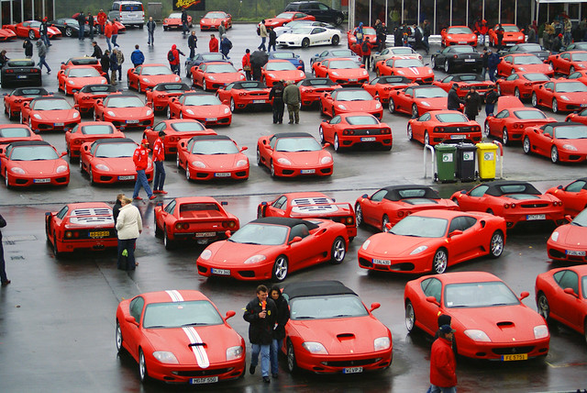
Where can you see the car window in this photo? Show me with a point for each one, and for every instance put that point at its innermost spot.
(448, 78)
(335, 120)
(576, 186)
(512, 77)
(461, 223)
(425, 117)
(318, 30)
(409, 91)
(272, 142)
(300, 230)
(547, 130)
(478, 191)
(549, 85)
(136, 308)
(567, 279)
(566, 56)
(322, 7)
(508, 59)
(190, 145)
(278, 204)
(159, 127)
(379, 195)
(432, 287)
(503, 114)
(170, 207)
(62, 212)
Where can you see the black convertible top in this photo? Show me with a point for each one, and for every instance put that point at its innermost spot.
(458, 77)
(209, 137)
(497, 188)
(392, 79)
(98, 88)
(253, 85)
(285, 221)
(30, 143)
(316, 82)
(393, 192)
(168, 85)
(29, 91)
(114, 140)
(292, 135)
(316, 288)
(562, 124)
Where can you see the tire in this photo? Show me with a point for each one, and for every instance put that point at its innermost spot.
(505, 136)
(433, 63)
(143, 373)
(259, 163)
(54, 246)
(534, 100)
(410, 133)
(517, 93)
(554, 105)
(177, 163)
(496, 244)
(338, 251)
(158, 231)
(391, 106)
(414, 111)
(359, 215)
(128, 84)
(571, 70)
(118, 338)
(447, 67)
(167, 242)
(69, 32)
(410, 317)
(188, 175)
(81, 165)
(305, 43)
(204, 85)
(292, 365)
(280, 268)
(426, 138)
(554, 155)
(168, 112)
(272, 169)
(543, 306)
(232, 105)
(6, 181)
(335, 40)
(440, 261)
(526, 146)
(91, 174)
(378, 72)
(31, 35)
(487, 129)
(139, 87)
(490, 211)
(338, 20)
(336, 144)
(498, 89)
(455, 200)
(384, 222)
(321, 134)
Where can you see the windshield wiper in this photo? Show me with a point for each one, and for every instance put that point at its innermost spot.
(305, 317)
(342, 316)
(156, 327)
(194, 324)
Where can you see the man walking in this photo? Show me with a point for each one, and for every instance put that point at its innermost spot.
(151, 26)
(158, 158)
(141, 160)
(260, 313)
(292, 98)
(105, 63)
(28, 48)
(81, 20)
(91, 25)
(129, 226)
(42, 52)
(44, 33)
(184, 21)
(492, 62)
(137, 57)
(101, 18)
(213, 45)
(108, 34)
(192, 44)
(225, 46)
(272, 39)
(3, 278)
(473, 103)
(263, 34)
(247, 64)
(276, 94)
(173, 58)
(115, 33)
(443, 378)
(453, 101)
(490, 101)
(119, 60)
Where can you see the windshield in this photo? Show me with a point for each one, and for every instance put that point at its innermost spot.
(123, 102)
(252, 85)
(175, 15)
(581, 219)
(430, 92)
(579, 56)
(459, 30)
(213, 57)
(84, 61)
(362, 120)
(482, 294)
(510, 29)
(527, 60)
(297, 144)
(342, 64)
(14, 133)
(536, 77)
(327, 307)
(115, 150)
(220, 68)
(32, 92)
(530, 48)
(172, 87)
(98, 89)
(83, 72)
(262, 234)
(462, 49)
(280, 66)
(201, 100)
(530, 115)
(352, 95)
(342, 53)
(98, 129)
(49, 105)
(402, 51)
(156, 70)
(208, 147)
(181, 314)
(570, 87)
(187, 126)
(571, 132)
(471, 78)
(284, 55)
(420, 227)
(405, 63)
(33, 153)
(369, 31)
(21, 63)
(215, 15)
(451, 118)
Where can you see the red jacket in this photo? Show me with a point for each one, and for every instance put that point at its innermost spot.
(102, 18)
(114, 28)
(442, 364)
(247, 60)
(141, 158)
(213, 44)
(158, 150)
(175, 52)
(108, 30)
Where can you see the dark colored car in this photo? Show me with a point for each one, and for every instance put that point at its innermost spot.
(464, 57)
(319, 10)
(21, 72)
(200, 58)
(69, 27)
(534, 49)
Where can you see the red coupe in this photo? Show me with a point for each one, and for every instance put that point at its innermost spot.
(413, 69)
(435, 126)
(511, 64)
(158, 97)
(567, 63)
(382, 87)
(276, 70)
(560, 95)
(124, 111)
(511, 35)
(573, 196)
(173, 21)
(49, 114)
(417, 100)
(74, 78)
(212, 20)
(175, 130)
(86, 97)
(204, 107)
(581, 76)
(368, 33)
(214, 75)
(147, 76)
(30, 29)
(88, 131)
(352, 100)
(356, 128)
(458, 35)
(509, 124)
(562, 142)
(311, 89)
(13, 101)
(520, 84)
(578, 117)
(569, 241)
(286, 17)
(244, 94)
(16, 133)
(344, 72)
(464, 83)
(7, 34)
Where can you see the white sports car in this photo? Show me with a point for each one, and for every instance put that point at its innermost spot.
(306, 36)
(288, 27)
(394, 51)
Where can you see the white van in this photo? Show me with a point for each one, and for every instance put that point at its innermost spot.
(128, 12)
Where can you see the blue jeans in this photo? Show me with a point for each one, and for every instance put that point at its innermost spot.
(43, 62)
(265, 351)
(275, 347)
(45, 38)
(492, 72)
(128, 262)
(142, 182)
(437, 389)
(159, 176)
(114, 38)
(262, 46)
(108, 42)
(151, 39)
(489, 108)
(81, 32)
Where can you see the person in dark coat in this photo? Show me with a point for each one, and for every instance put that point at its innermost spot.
(105, 63)
(192, 44)
(490, 101)
(427, 32)
(366, 53)
(97, 53)
(418, 43)
(258, 60)
(500, 32)
(261, 314)
(81, 20)
(453, 100)
(473, 103)
(492, 61)
(225, 46)
(184, 21)
(113, 67)
(151, 26)
(279, 329)
(398, 37)
(116, 207)
(557, 44)
(91, 25)
(28, 48)
(272, 39)
(485, 58)
(276, 94)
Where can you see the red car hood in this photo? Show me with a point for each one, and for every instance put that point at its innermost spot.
(572, 235)
(351, 73)
(229, 254)
(123, 166)
(580, 144)
(303, 158)
(574, 97)
(388, 245)
(207, 110)
(56, 116)
(130, 113)
(220, 162)
(153, 80)
(226, 77)
(7, 33)
(286, 74)
(513, 36)
(41, 167)
(435, 103)
(81, 82)
(414, 72)
(213, 22)
(360, 106)
(541, 68)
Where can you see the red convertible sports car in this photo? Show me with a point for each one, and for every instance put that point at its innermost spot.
(86, 97)
(413, 69)
(464, 83)
(489, 320)
(244, 94)
(214, 75)
(458, 35)
(124, 111)
(516, 201)
(417, 100)
(355, 128)
(562, 142)
(344, 72)
(511, 35)
(351, 100)
(204, 107)
(306, 205)
(390, 204)
(82, 61)
(150, 75)
(86, 226)
(520, 84)
(49, 114)
(30, 163)
(207, 157)
(30, 29)
(433, 240)
(158, 97)
(175, 130)
(110, 161)
(7, 34)
(173, 21)
(510, 64)
(16, 133)
(276, 70)
(88, 131)
(560, 95)
(573, 195)
(382, 87)
(509, 124)
(193, 218)
(436, 126)
(179, 337)
(13, 101)
(568, 62)
(273, 247)
(578, 117)
(561, 296)
(580, 75)
(321, 335)
(311, 89)
(74, 78)
(290, 154)
(286, 17)
(212, 20)
(569, 241)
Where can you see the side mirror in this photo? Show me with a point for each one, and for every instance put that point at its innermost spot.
(432, 299)
(223, 203)
(86, 148)
(326, 145)
(560, 187)
(264, 142)
(227, 234)
(374, 306)
(229, 314)
(365, 196)
(455, 233)
(570, 291)
(524, 295)
(132, 320)
(99, 102)
(295, 240)
(63, 154)
(244, 148)
(47, 214)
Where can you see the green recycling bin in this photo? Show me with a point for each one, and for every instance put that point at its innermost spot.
(487, 158)
(446, 162)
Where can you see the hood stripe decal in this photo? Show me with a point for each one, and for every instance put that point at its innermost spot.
(175, 296)
(198, 350)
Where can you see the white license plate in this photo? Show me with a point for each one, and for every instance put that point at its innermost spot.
(368, 139)
(221, 272)
(460, 136)
(41, 180)
(469, 60)
(58, 124)
(222, 174)
(258, 101)
(353, 80)
(307, 171)
(205, 234)
(381, 262)
(576, 253)
(583, 105)
(126, 177)
(132, 121)
(352, 370)
(21, 77)
(199, 381)
(212, 119)
(533, 217)
(462, 42)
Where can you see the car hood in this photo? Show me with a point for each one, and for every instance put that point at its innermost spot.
(542, 68)
(56, 116)
(41, 167)
(207, 110)
(387, 245)
(414, 71)
(226, 77)
(229, 254)
(153, 80)
(360, 106)
(129, 113)
(220, 162)
(579, 144)
(572, 235)
(91, 80)
(303, 158)
(123, 166)
(348, 72)
(579, 97)
(433, 103)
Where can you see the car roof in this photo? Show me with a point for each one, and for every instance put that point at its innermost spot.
(84, 205)
(239, 84)
(114, 140)
(292, 135)
(463, 277)
(316, 288)
(30, 143)
(284, 221)
(495, 187)
(208, 137)
(182, 200)
(563, 124)
(173, 296)
(393, 192)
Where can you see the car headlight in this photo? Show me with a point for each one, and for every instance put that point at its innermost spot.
(102, 167)
(149, 112)
(430, 71)
(326, 160)
(302, 74)
(381, 343)
(177, 79)
(581, 65)
(334, 73)
(549, 67)
(365, 72)
(226, 111)
(211, 78)
(554, 236)
(198, 164)
(240, 163)
(341, 107)
(271, 75)
(191, 112)
(401, 72)
(449, 37)
(70, 82)
(425, 103)
(110, 113)
(103, 82)
(521, 69)
(284, 161)
(37, 116)
(18, 170)
(255, 259)
(75, 115)
(540, 331)
(365, 245)
(233, 353)
(165, 357)
(566, 146)
(565, 98)
(206, 254)
(477, 335)
(315, 348)
(145, 80)
(419, 250)
(377, 105)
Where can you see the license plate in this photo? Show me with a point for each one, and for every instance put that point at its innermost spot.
(458, 136)
(381, 262)
(205, 234)
(533, 217)
(462, 42)
(58, 124)
(307, 171)
(212, 119)
(576, 253)
(21, 77)
(132, 121)
(368, 139)
(98, 234)
(469, 60)
(353, 80)
(583, 105)
(41, 180)
(220, 272)
(352, 370)
(199, 381)
(222, 174)
(258, 101)
(515, 357)
(126, 177)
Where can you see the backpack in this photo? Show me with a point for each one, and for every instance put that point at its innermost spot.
(170, 56)
(258, 30)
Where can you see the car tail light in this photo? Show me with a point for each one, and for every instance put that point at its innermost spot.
(228, 224)
(18, 101)
(10, 71)
(527, 84)
(71, 234)
(456, 56)
(348, 132)
(476, 128)
(438, 129)
(386, 131)
(557, 203)
(35, 71)
(77, 142)
(179, 226)
(160, 95)
(518, 125)
(386, 88)
(400, 213)
(349, 220)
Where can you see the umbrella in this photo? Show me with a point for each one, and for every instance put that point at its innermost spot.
(259, 58)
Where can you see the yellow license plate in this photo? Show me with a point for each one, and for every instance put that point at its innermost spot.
(515, 357)
(97, 234)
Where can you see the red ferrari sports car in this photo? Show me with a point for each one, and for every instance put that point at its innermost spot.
(432, 240)
(86, 97)
(520, 84)
(344, 72)
(16, 133)
(272, 247)
(578, 117)
(88, 131)
(569, 241)
(311, 89)
(28, 163)
(307, 205)
(368, 33)
(290, 154)
(81, 226)
(207, 157)
(193, 218)
(212, 20)
(321, 335)
(49, 114)
(464, 83)
(351, 100)
(560, 95)
(458, 35)
(204, 107)
(567, 63)
(147, 76)
(417, 100)
(175, 130)
(179, 337)
(276, 70)
(124, 111)
(7, 34)
(213, 75)
(390, 204)
(355, 128)
(286, 17)
(83, 61)
(413, 69)
(110, 160)
(581, 76)
(561, 296)
(74, 78)
(562, 142)
(173, 21)
(158, 97)
(435, 126)
(573, 196)
(13, 101)
(511, 35)
(244, 94)
(382, 87)
(523, 62)
(489, 320)
(516, 201)
(30, 29)
(509, 124)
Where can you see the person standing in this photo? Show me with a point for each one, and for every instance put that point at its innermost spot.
(263, 35)
(426, 33)
(192, 44)
(3, 278)
(276, 94)
(43, 32)
(247, 64)
(158, 158)
(492, 62)
(115, 33)
(567, 28)
(119, 60)
(42, 52)
(485, 61)
(151, 26)
(91, 25)
(557, 44)
(213, 45)
(28, 48)
(260, 313)
(490, 101)
(3, 58)
(443, 378)
(81, 20)
(184, 21)
(483, 30)
(378, 29)
(105, 63)
(97, 53)
(174, 61)
(221, 29)
(141, 160)
(500, 33)
(129, 226)
(281, 319)
(272, 39)
(358, 33)
(225, 46)
(113, 66)
(137, 57)
(453, 101)
(366, 53)
(108, 34)
(117, 206)
(292, 98)
(473, 103)
(101, 18)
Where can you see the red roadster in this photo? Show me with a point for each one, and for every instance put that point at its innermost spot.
(88, 131)
(352, 100)
(175, 130)
(356, 128)
(573, 196)
(562, 142)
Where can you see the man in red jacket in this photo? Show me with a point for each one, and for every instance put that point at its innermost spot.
(158, 158)
(141, 160)
(101, 18)
(213, 43)
(443, 377)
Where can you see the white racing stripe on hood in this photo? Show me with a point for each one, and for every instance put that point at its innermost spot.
(175, 296)
(199, 350)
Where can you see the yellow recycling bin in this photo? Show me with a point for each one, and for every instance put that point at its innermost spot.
(487, 159)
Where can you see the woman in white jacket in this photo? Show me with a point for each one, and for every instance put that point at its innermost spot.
(129, 226)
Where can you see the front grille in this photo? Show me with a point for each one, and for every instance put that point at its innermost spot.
(202, 269)
(288, 172)
(108, 178)
(201, 175)
(223, 121)
(365, 263)
(351, 363)
(202, 373)
(513, 350)
(247, 273)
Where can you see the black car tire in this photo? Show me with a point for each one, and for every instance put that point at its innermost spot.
(335, 40)
(338, 251)
(69, 32)
(440, 261)
(338, 20)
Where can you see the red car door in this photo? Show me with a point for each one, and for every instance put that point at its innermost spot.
(132, 333)
(320, 69)
(576, 196)
(418, 126)
(373, 208)
(497, 123)
(199, 74)
(277, 208)
(304, 252)
(542, 140)
(566, 305)
(466, 244)
(546, 93)
(473, 199)
(427, 312)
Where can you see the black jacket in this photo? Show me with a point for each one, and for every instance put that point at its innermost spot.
(276, 93)
(28, 48)
(491, 97)
(192, 42)
(105, 63)
(260, 329)
(116, 210)
(272, 37)
(282, 318)
(473, 103)
(3, 224)
(453, 101)
(97, 53)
